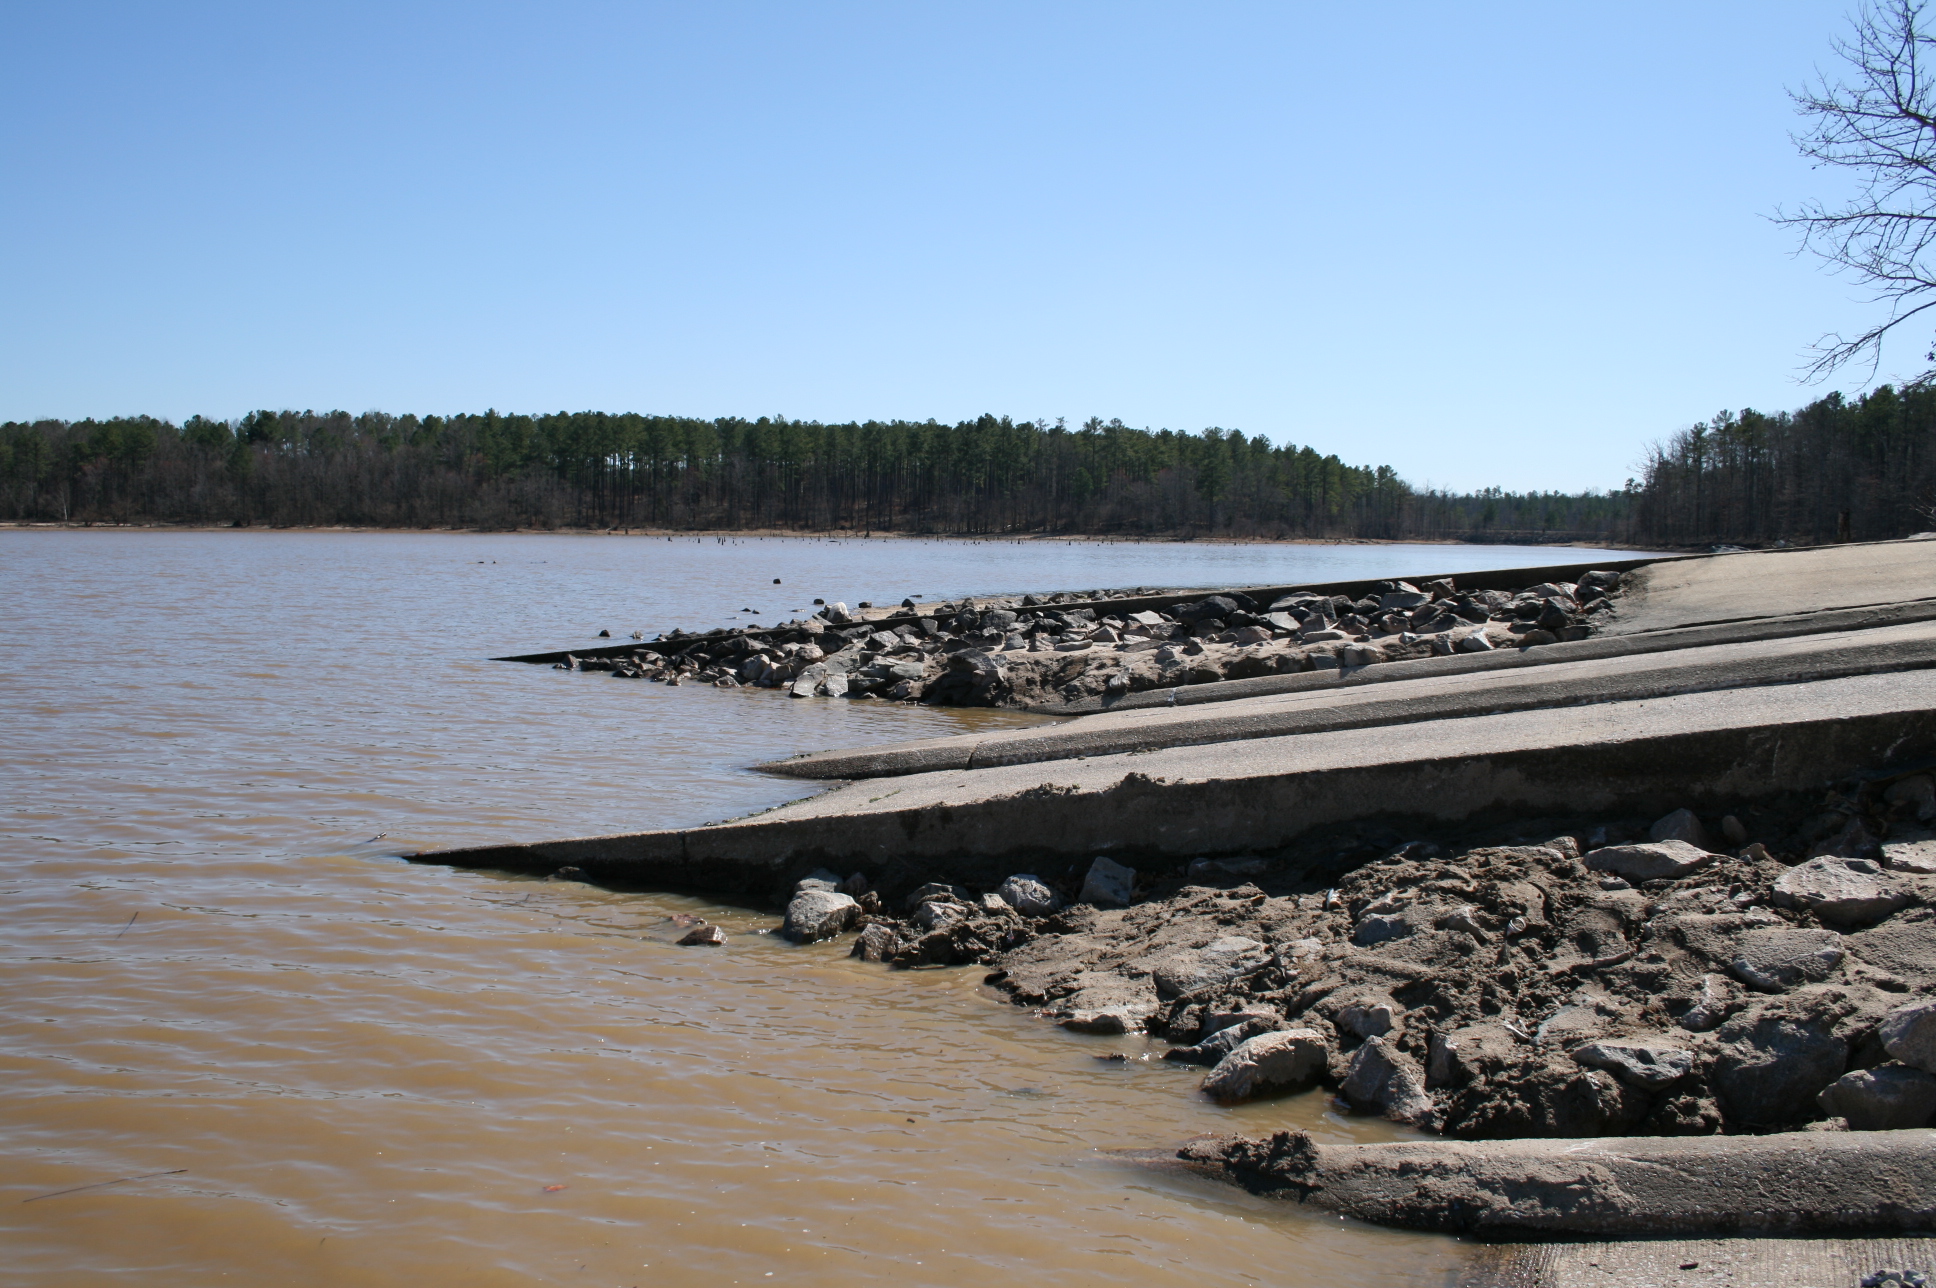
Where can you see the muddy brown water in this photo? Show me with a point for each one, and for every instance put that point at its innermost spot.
(242, 1042)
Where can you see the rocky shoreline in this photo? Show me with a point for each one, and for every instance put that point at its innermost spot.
(1031, 651)
(1764, 970)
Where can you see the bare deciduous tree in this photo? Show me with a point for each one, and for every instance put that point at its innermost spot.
(1879, 122)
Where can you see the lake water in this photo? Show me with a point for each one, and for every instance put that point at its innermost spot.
(329, 1067)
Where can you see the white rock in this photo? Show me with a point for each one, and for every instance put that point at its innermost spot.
(1268, 1062)
(1475, 642)
(1108, 885)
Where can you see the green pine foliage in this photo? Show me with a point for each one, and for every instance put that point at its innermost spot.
(987, 476)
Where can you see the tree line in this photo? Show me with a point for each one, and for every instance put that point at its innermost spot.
(987, 476)
(1840, 469)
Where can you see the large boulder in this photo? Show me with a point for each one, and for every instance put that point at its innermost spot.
(1650, 861)
(1268, 1062)
(819, 914)
(1889, 1098)
(1773, 1064)
(1385, 1080)
(1775, 958)
(1848, 892)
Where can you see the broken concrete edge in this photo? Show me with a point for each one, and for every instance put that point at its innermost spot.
(1148, 821)
(1864, 653)
(1796, 1183)
(1490, 579)
(1878, 1261)
(1827, 621)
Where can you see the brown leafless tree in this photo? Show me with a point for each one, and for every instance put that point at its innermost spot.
(1879, 122)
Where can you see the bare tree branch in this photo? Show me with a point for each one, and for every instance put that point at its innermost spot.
(1881, 124)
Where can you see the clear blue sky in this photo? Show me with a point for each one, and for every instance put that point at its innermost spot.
(1487, 243)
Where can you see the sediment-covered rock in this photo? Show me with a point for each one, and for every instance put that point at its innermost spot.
(1290, 1060)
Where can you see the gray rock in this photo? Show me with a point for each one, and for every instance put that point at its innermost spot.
(1028, 894)
(1909, 1034)
(835, 685)
(1197, 968)
(808, 682)
(1385, 1080)
(1213, 1048)
(1775, 958)
(1772, 1065)
(935, 914)
(1380, 927)
(1323, 661)
(1221, 1021)
(818, 914)
(935, 890)
(857, 885)
(1225, 869)
(1643, 1065)
(1268, 1062)
(1469, 1053)
(1910, 850)
(1361, 654)
(1650, 861)
(876, 943)
(1849, 892)
(1474, 642)
(1104, 1020)
(1916, 795)
(1681, 825)
(1370, 1019)
(1889, 1098)
(1108, 885)
(1402, 600)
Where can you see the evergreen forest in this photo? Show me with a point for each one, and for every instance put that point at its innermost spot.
(1837, 469)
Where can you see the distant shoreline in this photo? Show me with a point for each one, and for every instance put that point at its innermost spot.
(799, 535)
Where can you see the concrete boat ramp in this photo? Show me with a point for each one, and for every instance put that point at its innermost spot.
(1720, 678)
